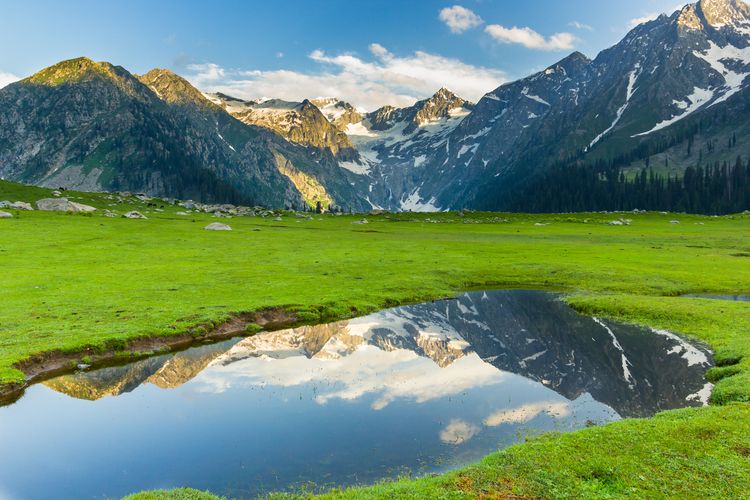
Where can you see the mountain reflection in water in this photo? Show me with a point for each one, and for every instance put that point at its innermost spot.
(422, 388)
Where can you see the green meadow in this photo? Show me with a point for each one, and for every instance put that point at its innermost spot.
(71, 282)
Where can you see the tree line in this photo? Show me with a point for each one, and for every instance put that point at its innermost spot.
(720, 188)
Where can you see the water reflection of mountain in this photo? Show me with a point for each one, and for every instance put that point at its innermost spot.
(166, 371)
(636, 372)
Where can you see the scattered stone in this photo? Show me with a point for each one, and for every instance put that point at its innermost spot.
(83, 366)
(62, 205)
(5, 215)
(181, 213)
(134, 215)
(363, 221)
(674, 222)
(21, 205)
(620, 222)
(278, 219)
(110, 213)
(217, 226)
(56, 193)
(540, 224)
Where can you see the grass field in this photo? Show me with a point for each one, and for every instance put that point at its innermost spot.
(71, 281)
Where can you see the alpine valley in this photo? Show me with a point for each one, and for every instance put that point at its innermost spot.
(658, 121)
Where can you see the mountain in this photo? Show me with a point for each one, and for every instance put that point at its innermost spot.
(666, 106)
(658, 121)
(95, 126)
(298, 122)
(673, 92)
(394, 144)
(312, 167)
(340, 113)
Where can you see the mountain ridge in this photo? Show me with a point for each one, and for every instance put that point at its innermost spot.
(640, 105)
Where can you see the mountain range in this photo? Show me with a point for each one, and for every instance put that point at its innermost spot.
(656, 121)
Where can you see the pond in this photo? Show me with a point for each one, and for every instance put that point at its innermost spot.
(412, 390)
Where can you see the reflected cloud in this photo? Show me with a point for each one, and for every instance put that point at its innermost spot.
(526, 413)
(583, 408)
(458, 432)
(390, 375)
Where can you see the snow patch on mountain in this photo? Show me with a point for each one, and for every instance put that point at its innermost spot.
(525, 93)
(414, 203)
(717, 56)
(358, 168)
(632, 78)
(695, 101)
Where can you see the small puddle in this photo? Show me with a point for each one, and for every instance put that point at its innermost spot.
(735, 298)
(416, 389)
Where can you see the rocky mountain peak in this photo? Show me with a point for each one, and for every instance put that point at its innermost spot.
(440, 105)
(172, 88)
(340, 113)
(74, 70)
(688, 18)
(719, 13)
(382, 118)
(573, 62)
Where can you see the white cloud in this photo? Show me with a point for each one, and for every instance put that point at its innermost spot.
(530, 38)
(368, 83)
(207, 72)
(580, 26)
(7, 78)
(460, 19)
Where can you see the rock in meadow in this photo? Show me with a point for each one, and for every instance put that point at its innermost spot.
(134, 215)
(5, 215)
(62, 205)
(217, 226)
(21, 205)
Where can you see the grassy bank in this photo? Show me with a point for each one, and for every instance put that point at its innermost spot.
(75, 281)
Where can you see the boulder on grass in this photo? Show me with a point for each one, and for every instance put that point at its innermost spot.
(5, 215)
(62, 205)
(134, 215)
(217, 226)
(21, 205)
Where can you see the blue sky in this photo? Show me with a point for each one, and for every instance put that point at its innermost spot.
(368, 52)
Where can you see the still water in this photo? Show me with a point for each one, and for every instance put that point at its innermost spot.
(733, 298)
(411, 390)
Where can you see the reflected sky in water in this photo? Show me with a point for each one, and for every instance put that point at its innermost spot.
(416, 389)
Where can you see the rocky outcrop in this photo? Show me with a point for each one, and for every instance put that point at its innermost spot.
(62, 205)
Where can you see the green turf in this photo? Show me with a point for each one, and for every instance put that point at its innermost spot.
(70, 281)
